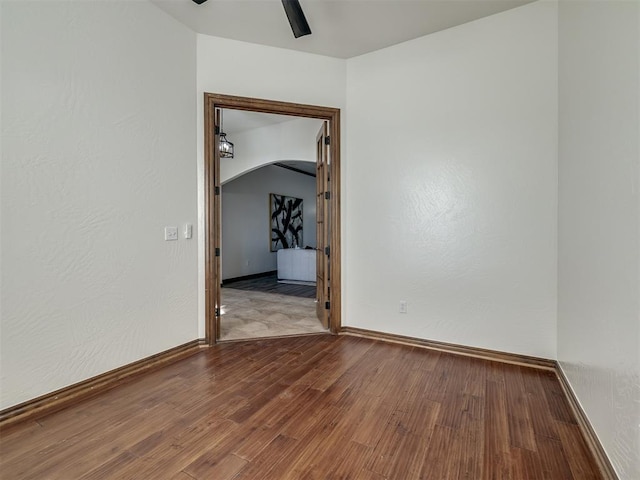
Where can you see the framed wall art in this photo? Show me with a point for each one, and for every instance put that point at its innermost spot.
(286, 222)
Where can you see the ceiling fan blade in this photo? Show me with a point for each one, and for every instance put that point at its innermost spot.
(296, 18)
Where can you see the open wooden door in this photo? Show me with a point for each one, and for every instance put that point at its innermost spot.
(322, 225)
(216, 236)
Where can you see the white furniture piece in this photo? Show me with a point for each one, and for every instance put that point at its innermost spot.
(297, 265)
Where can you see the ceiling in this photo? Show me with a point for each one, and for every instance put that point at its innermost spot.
(341, 28)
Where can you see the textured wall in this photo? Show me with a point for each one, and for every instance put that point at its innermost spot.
(599, 236)
(245, 218)
(451, 181)
(98, 149)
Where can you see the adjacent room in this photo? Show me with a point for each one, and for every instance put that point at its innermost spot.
(269, 269)
(485, 244)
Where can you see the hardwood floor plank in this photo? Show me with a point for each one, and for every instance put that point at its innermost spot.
(469, 444)
(526, 464)
(202, 468)
(390, 445)
(521, 434)
(558, 405)
(268, 463)
(182, 450)
(267, 426)
(497, 449)
(554, 465)
(577, 453)
(85, 452)
(314, 409)
(349, 461)
(440, 378)
(542, 421)
(181, 476)
(437, 464)
(374, 422)
(475, 382)
(342, 356)
(411, 460)
(257, 401)
(365, 474)
(423, 359)
(317, 447)
(174, 449)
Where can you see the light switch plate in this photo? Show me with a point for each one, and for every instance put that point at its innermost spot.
(403, 306)
(171, 233)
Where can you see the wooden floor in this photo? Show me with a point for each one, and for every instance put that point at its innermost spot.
(319, 407)
(269, 284)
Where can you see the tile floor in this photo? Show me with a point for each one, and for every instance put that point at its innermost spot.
(247, 314)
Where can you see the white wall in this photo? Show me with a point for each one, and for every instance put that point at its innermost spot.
(261, 72)
(293, 140)
(246, 218)
(599, 214)
(98, 135)
(451, 185)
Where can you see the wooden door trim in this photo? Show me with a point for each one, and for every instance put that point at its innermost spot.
(212, 207)
(322, 225)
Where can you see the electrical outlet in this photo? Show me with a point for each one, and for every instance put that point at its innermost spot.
(403, 306)
(171, 233)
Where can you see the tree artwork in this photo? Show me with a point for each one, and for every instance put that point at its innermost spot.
(286, 222)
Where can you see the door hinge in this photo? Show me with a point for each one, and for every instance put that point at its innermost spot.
(217, 251)
(216, 130)
(327, 195)
(216, 190)
(217, 312)
(327, 250)
(327, 305)
(327, 140)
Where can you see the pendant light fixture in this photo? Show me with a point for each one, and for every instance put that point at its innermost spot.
(225, 146)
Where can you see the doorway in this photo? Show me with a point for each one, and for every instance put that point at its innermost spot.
(327, 256)
(268, 277)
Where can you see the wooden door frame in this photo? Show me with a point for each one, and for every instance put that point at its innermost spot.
(212, 218)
